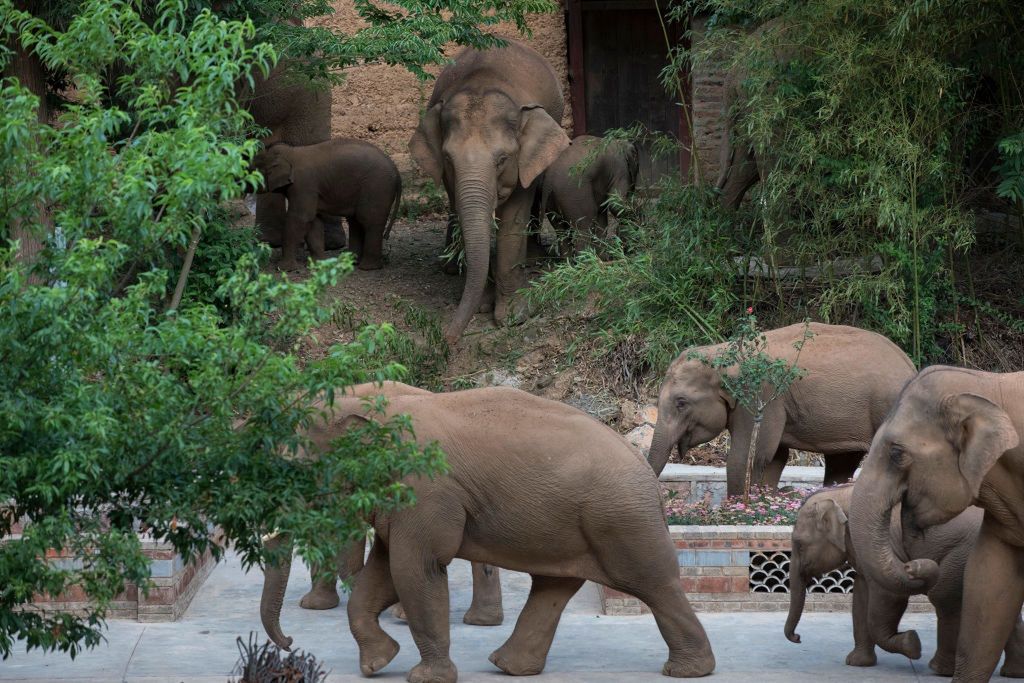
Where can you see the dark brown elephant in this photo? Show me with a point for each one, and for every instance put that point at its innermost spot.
(852, 379)
(490, 129)
(533, 485)
(821, 543)
(952, 441)
(578, 185)
(340, 178)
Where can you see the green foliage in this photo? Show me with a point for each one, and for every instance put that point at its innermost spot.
(120, 412)
(1011, 168)
(870, 117)
(670, 281)
(427, 200)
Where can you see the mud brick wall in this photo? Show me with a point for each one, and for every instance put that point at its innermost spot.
(708, 82)
(381, 104)
(714, 570)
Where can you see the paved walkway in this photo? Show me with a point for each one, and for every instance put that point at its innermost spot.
(588, 646)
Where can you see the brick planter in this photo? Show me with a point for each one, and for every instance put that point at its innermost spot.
(743, 569)
(174, 584)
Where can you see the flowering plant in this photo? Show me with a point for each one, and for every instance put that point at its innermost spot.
(764, 507)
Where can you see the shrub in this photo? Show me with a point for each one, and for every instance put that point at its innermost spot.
(765, 507)
(264, 664)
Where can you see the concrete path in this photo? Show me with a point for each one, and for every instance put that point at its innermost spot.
(588, 646)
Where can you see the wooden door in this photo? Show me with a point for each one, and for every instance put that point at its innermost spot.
(623, 55)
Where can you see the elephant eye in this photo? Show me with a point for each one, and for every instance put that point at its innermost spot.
(681, 403)
(897, 456)
(501, 160)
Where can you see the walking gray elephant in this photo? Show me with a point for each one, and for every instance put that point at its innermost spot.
(485, 608)
(334, 179)
(952, 441)
(507, 450)
(821, 543)
(490, 129)
(852, 379)
(578, 185)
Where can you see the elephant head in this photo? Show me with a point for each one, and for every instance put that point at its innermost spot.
(819, 546)
(693, 408)
(275, 163)
(482, 146)
(932, 452)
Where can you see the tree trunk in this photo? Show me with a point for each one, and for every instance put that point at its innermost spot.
(751, 454)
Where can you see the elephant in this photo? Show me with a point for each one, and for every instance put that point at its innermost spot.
(485, 608)
(852, 378)
(574, 197)
(821, 543)
(532, 485)
(951, 441)
(490, 129)
(338, 178)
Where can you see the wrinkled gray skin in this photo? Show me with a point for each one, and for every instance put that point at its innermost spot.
(490, 129)
(821, 543)
(574, 194)
(952, 441)
(533, 485)
(485, 609)
(852, 378)
(340, 178)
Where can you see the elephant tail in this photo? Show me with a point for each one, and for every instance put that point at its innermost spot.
(394, 207)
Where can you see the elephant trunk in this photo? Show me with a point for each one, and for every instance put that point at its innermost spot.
(661, 448)
(275, 581)
(475, 201)
(797, 598)
(875, 494)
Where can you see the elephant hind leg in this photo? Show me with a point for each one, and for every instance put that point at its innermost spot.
(526, 650)
(373, 592)
(485, 610)
(840, 467)
(647, 568)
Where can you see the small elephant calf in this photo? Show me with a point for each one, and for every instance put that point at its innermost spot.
(821, 543)
(577, 186)
(338, 178)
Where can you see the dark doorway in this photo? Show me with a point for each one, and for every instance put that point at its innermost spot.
(617, 52)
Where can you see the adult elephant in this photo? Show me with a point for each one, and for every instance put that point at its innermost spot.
(486, 607)
(490, 129)
(532, 485)
(952, 441)
(852, 377)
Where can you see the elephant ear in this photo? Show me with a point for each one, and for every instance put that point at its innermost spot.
(831, 522)
(425, 144)
(541, 140)
(278, 173)
(982, 431)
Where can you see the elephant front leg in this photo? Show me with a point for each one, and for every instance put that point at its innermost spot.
(509, 274)
(422, 584)
(884, 614)
(993, 593)
(295, 236)
(315, 239)
(324, 593)
(271, 218)
(526, 650)
(1013, 665)
(373, 592)
(863, 652)
(485, 610)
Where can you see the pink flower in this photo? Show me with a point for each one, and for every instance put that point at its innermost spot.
(750, 310)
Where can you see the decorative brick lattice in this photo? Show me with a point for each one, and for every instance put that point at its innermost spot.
(769, 573)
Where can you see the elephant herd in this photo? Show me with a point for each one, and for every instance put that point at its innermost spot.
(491, 135)
(540, 487)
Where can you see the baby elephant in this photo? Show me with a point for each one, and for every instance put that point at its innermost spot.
(507, 452)
(577, 187)
(334, 179)
(821, 543)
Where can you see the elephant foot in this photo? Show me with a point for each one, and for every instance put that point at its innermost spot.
(1012, 668)
(370, 264)
(375, 656)
(483, 616)
(942, 665)
(321, 597)
(694, 667)
(289, 266)
(515, 663)
(861, 657)
(510, 310)
(398, 612)
(441, 671)
(907, 644)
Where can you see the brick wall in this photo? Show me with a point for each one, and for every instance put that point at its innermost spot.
(381, 104)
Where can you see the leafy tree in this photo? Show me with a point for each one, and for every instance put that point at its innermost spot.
(130, 400)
